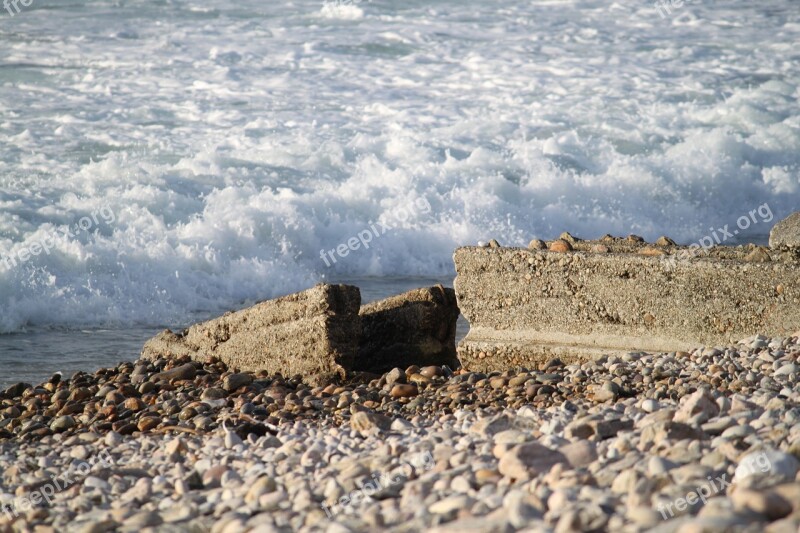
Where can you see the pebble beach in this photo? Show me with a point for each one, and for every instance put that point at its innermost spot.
(707, 440)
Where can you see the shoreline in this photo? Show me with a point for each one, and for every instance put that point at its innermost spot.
(618, 443)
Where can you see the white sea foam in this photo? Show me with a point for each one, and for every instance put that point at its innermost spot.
(234, 141)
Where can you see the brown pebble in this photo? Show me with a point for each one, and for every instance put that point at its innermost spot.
(665, 241)
(494, 244)
(125, 428)
(146, 424)
(134, 404)
(537, 244)
(431, 371)
(81, 393)
(498, 382)
(419, 379)
(560, 246)
(634, 238)
(404, 391)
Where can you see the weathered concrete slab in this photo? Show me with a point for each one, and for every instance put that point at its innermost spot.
(525, 306)
(786, 232)
(313, 333)
(414, 328)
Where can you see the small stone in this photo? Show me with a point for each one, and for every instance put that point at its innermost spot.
(579, 453)
(232, 440)
(567, 236)
(112, 439)
(144, 425)
(263, 485)
(63, 423)
(537, 244)
(649, 405)
(766, 503)
(560, 246)
(494, 244)
(526, 461)
(419, 379)
(432, 371)
(699, 407)
(403, 391)
(212, 478)
(767, 462)
(369, 423)
(233, 382)
(489, 426)
(658, 432)
(599, 249)
(183, 372)
(213, 393)
(450, 505)
(395, 375)
(665, 241)
(134, 404)
(143, 519)
(175, 447)
(520, 508)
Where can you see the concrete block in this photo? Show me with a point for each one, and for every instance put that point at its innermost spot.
(414, 328)
(786, 232)
(313, 333)
(525, 306)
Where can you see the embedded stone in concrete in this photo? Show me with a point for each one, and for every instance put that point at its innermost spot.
(313, 333)
(414, 328)
(526, 306)
(786, 232)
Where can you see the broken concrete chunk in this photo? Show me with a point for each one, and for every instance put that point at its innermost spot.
(786, 232)
(313, 333)
(414, 328)
(526, 306)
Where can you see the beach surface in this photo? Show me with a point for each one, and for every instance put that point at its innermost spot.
(688, 441)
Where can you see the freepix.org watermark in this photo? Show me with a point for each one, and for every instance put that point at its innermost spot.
(36, 247)
(12, 6)
(663, 6)
(374, 231)
(421, 462)
(720, 235)
(757, 463)
(57, 483)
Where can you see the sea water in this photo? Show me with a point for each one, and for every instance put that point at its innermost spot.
(163, 162)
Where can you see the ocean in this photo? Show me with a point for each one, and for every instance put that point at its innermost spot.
(165, 161)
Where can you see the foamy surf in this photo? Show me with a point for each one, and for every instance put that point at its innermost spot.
(238, 144)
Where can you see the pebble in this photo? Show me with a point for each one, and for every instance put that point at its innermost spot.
(561, 246)
(526, 448)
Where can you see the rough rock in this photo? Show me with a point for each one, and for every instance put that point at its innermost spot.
(313, 334)
(786, 232)
(526, 306)
(698, 408)
(414, 328)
